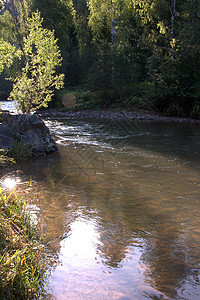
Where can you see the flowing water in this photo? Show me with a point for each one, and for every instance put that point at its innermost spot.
(120, 207)
(8, 105)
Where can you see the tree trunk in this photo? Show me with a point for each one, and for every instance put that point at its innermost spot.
(172, 10)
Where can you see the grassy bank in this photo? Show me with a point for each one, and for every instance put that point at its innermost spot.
(22, 264)
(22, 261)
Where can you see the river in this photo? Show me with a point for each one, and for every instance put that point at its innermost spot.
(119, 206)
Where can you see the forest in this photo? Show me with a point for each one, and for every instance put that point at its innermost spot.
(117, 54)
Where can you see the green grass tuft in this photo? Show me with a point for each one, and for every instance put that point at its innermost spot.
(20, 151)
(22, 261)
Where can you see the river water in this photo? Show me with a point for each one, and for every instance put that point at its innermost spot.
(119, 206)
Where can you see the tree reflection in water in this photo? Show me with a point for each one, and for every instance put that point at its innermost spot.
(128, 221)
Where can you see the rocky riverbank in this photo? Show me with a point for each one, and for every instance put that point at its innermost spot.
(113, 115)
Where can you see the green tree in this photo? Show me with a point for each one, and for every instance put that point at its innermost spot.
(34, 86)
(172, 27)
(84, 48)
(58, 16)
(12, 31)
(102, 15)
(121, 52)
(13, 21)
(7, 54)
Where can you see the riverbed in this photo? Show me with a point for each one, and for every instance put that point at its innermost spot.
(118, 207)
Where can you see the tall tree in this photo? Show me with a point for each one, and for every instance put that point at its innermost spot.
(14, 19)
(117, 33)
(102, 15)
(58, 16)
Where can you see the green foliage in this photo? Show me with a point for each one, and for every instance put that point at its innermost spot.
(7, 54)
(22, 263)
(141, 97)
(88, 100)
(85, 99)
(34, 87)
(113, 48)
(19, 151)
(13, 22)
(121, 54)
(58, 16)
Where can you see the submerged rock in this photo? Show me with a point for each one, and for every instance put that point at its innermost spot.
(27, 129)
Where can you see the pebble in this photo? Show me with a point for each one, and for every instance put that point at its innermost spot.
(113, 115)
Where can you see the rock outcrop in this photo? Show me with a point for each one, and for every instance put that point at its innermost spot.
(27, 129)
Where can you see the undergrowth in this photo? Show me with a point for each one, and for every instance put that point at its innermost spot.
(22, 261)
(20, 151)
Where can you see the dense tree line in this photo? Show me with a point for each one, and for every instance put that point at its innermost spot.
(124, 53)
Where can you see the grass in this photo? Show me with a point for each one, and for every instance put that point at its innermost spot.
(5, 159)
(20, 151)
(22, 261)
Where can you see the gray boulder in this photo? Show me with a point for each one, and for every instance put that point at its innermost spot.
(5, 140)
(27, 129)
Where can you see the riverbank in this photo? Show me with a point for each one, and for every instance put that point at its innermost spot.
(113, 115)
(22, 258)
(22, 263)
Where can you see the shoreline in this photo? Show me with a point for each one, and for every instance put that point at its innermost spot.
(113, 115)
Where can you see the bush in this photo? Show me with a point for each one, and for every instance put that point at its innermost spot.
(88, 100)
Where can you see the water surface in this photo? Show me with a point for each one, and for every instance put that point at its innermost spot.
(120, 206)
(8, 105)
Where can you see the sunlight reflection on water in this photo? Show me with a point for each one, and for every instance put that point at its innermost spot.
(80, 244)
(80, 258)
(10, 183)
(122, 215)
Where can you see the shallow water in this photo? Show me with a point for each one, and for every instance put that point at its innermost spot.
(8, 105)
(120, 206)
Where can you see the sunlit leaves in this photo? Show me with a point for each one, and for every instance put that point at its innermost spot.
(34, 87)
(7, 54)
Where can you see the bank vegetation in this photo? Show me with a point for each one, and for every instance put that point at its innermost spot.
(23, 262)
